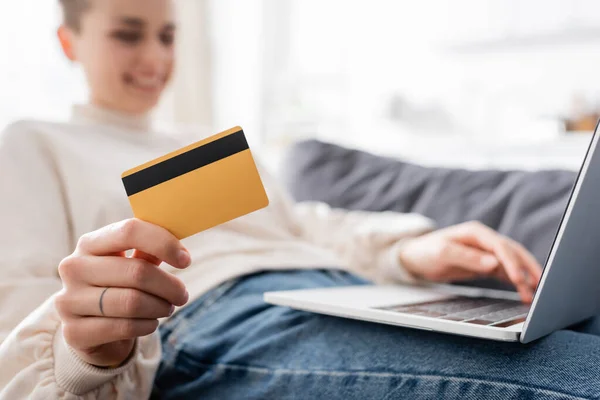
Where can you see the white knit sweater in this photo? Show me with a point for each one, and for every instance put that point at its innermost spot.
(61, 180)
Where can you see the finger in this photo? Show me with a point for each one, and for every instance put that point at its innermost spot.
(455, 274)
(515, 272)
(501, 274)
(513, 269)
(124, 272)
(487, 239)
(136, 234)
(532, 266)
(147, 257)
(119, 303)
(82, 333)
(469, 258)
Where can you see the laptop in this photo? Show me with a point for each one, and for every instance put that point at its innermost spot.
(567, 293)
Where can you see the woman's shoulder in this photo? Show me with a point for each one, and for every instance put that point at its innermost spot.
(19, 133)
(27, 130)
(27, 139)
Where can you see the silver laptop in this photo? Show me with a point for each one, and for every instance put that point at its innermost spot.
(569, 291)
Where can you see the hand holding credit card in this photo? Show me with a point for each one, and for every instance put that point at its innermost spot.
(198, 187)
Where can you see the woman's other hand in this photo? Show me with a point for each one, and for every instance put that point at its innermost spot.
(103, 332)
(468, 251)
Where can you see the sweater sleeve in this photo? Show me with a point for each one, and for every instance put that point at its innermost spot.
(367, 242)
(36, 361)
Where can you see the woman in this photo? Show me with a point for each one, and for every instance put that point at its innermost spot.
(80, 317)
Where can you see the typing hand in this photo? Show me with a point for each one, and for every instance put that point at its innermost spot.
(471, 250)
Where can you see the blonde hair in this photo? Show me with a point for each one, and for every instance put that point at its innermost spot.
(72, 12)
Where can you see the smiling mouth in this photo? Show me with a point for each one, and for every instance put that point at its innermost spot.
(146, 85)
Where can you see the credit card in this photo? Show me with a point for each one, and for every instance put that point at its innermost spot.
(198, 187)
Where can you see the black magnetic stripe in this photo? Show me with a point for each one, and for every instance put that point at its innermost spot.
(186, 162)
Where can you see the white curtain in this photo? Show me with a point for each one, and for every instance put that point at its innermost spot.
(220, 72)
(36, 80)
(188, 101)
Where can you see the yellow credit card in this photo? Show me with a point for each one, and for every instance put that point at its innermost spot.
(200, 186)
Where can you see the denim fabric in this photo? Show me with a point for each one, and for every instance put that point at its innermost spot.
(229, 344)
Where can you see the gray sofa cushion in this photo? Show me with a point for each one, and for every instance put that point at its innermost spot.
(526, 206)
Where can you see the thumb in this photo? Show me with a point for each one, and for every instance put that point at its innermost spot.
(469, 258)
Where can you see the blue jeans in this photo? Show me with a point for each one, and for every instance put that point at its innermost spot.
(229, 344)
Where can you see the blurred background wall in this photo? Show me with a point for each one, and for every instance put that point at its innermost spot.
(473, 83)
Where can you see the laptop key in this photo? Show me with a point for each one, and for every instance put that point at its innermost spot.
(478, 312)
(443, 307)
(501, 316)
(473, 310)
(511, 322)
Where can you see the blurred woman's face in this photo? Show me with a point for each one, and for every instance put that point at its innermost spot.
(126, 48)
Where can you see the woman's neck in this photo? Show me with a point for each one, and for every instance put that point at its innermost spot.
(96, 114)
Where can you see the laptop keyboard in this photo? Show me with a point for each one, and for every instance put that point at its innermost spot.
(473, 310)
